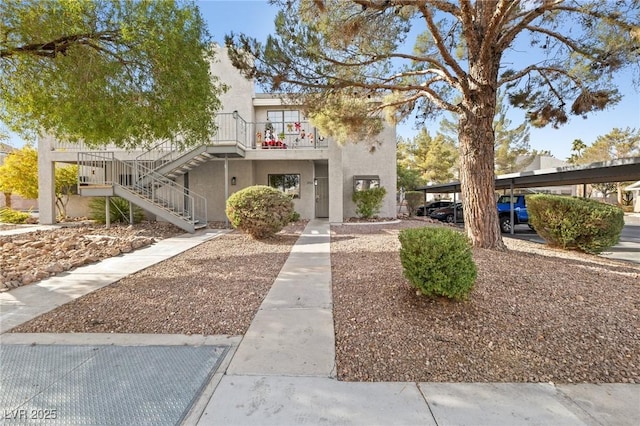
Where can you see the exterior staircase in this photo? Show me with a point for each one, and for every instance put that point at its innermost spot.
(148, 179)
(167, 159)
(139, 184)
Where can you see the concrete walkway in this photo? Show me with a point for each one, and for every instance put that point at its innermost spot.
(24, 303)
(282, 371)
(292, 332)
(23, 229)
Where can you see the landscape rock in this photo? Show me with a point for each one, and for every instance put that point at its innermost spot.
(34, 256)
(54, 268)
(27, 279)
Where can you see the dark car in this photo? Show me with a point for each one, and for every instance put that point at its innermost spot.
(447, 214)
(428, 208)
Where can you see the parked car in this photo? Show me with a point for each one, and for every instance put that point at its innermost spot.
(448, 214)
(520, 214)
(428, 208)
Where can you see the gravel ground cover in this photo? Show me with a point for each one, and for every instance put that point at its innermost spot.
(535, 315)
(214, 288)
(30, 257)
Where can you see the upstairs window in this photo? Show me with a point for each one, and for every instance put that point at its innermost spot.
(284, 122)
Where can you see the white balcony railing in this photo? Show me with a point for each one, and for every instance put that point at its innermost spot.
(231, 130)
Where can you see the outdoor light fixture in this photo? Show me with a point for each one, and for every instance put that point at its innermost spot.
(235, 114)
(233, 180)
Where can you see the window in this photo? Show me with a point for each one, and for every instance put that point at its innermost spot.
(360, 183)
(284, 122)
(289, 184)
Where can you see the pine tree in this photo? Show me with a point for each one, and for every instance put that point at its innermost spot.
(346, 61)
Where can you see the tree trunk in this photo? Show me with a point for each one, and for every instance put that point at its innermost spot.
(61, 206)
(7, 199)
(477, 176)
(620, 190)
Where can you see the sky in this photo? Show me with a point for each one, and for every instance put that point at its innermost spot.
(255, 18)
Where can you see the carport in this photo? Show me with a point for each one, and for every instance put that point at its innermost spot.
(620, 170)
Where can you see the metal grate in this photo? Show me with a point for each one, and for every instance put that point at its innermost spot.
(103, 385)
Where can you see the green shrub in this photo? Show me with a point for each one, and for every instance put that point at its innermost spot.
(295, 216)
(575, 223)
(438, 261)
(8, 215)
(260, 211)
(414, 200)
(368, 201)
(118, 210)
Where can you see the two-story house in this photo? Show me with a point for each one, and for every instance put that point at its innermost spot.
(260, 141)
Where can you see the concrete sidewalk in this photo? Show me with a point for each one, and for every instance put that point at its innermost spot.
(281, 372)
(24, 229)
(24, 303)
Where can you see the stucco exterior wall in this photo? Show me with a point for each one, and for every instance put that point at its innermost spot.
(19, 203)
(358, 159)
(336, 183)
(78, 206)
(275, 104)
(46, 184)
(339, 164)
(208, 180)
(240, 94)
(305, 205)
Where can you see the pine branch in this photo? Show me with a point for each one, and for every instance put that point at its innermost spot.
(59, 46)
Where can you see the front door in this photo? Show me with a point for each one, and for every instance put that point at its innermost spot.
(322, 196)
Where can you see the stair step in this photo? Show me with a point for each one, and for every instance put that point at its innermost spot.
(151, 183)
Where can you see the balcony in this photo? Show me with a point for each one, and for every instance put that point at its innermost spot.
(287, 135)
(237, 135)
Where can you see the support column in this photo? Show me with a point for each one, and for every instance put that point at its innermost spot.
(226, 188)
(511, 213)
(107, 212)
(46, 184)
(336, 184)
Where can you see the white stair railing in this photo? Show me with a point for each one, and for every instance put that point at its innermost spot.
(102, 168)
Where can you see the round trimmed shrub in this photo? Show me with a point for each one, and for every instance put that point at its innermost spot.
(260, 211)
(438, 261)
(575, 223)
